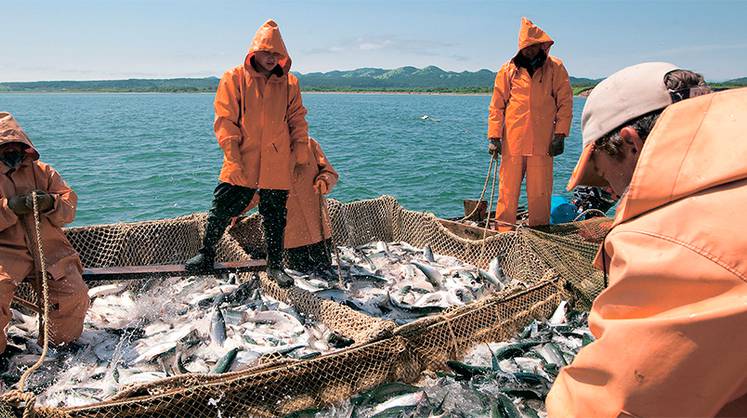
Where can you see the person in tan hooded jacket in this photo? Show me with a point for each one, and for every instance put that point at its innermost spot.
(260, 124)
(21, 173)
(670, 327)
(529, 117)
(307, 233)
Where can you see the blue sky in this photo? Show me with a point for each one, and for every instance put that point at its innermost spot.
(100, 39)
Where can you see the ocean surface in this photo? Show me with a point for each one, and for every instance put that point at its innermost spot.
(134, 157)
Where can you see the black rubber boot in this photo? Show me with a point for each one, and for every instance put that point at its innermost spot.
(280, 277)
(339, 341)
(273, 211)
(310, 258)
(320, 255)
(228, 201)
(202, 262)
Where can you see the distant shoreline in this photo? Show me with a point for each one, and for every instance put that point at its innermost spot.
(392, 93)
(399, 93)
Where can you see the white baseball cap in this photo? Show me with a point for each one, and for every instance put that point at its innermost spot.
(625, 95)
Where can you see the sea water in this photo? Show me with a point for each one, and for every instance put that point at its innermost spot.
(132, 157)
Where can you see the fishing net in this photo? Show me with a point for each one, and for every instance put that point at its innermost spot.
(554, 263)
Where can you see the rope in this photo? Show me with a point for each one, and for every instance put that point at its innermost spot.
(490, 208)
(588, 211)
(21, 399)
(482, 194)
(454, 343)
(44, 317)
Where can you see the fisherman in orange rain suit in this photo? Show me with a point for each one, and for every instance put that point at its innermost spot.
(530, 115)
(21, 173)
(307, 249)
(670, 327)
(260, 125)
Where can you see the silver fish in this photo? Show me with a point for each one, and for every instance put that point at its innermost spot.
(179, 363)
(434, 276)
(106, 290)
(217, 327)
(490, 278)
(559, 316)
(495, 269)
(428, 254)
(151, 352)
(399, 403)
(382, 247)
(224, 364)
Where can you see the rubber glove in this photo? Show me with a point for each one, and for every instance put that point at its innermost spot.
(18, 204)
(44, 200)
(556, 145)
(494, 147)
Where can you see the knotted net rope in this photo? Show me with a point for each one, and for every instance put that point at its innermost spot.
(20, 397)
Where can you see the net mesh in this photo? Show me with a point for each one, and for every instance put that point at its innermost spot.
(554, 262)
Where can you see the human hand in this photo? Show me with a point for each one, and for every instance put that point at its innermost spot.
(557, 145)
(18, 205)
(494, 147)
(44, 200)
(320, 186)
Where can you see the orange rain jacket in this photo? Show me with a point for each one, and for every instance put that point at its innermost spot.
(526, 111)
(258, 121)
(304, 225)
(18, 239)
(671, 326)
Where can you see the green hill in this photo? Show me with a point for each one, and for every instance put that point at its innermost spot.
(130, 85)
(407, 79)
(737, 82)
(403, 79)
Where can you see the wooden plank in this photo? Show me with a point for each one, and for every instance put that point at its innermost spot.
(26, 304)
(466, 231)
(479, 214)
(167, 270)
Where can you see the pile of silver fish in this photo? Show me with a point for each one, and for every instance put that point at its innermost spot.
(400, 282)
(143, 332)
(165, 328)
(509, 379)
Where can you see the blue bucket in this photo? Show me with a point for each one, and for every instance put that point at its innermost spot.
(561, 211)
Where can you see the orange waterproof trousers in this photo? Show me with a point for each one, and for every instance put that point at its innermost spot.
(538, 170)
(68, 303)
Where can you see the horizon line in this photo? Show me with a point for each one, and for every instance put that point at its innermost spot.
(195, 77)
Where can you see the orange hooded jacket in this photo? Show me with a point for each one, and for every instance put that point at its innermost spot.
(526, 111)
(68, 294)
(304, 225)
(259, 121)
(670, 327)
(33, 175)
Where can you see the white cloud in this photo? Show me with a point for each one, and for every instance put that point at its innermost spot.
(391, 43)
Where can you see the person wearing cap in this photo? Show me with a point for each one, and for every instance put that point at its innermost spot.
(260, 124)
(670, 326)
(21, 173)
(529, 117)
